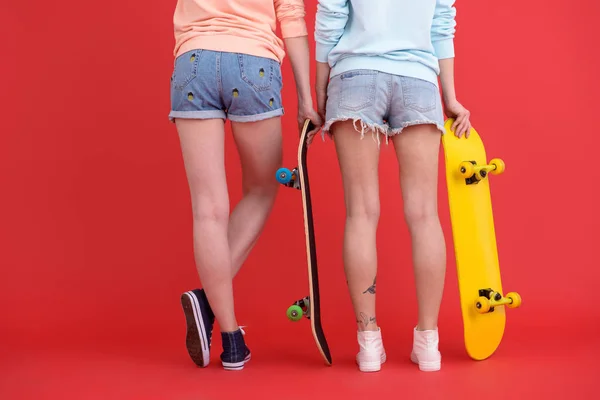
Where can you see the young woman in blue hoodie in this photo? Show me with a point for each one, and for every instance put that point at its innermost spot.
(377, 72)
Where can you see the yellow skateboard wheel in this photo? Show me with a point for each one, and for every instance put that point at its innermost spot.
(515, 299)
(466, 169)
(499, 164)
(482, 305)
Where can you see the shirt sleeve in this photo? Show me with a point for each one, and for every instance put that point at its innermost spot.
(290, 14)
(443, 29)
(330, 22)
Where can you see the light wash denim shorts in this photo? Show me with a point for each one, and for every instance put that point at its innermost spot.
(382, 103)
(239, 87)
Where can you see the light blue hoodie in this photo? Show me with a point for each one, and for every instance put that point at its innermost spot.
(401, 37)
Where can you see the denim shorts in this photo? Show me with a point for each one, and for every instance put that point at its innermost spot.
(382, 103)
(239, 87)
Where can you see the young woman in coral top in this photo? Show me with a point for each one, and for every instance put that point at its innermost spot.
(228, 67)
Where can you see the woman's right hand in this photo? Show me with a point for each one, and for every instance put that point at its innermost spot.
(306, 111)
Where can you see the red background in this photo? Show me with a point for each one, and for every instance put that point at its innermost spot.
(95, 227)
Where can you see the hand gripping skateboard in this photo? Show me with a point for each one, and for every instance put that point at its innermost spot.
(309, 306)
(478, 271)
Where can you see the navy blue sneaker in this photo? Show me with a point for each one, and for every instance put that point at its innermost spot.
(235, 352)
(200, 321)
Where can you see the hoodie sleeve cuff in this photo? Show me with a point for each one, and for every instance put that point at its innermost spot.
(293, 28)
(322, 52)
(444, 48)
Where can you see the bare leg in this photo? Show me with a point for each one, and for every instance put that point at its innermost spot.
(417, 149)
(259, 147)
(358, 160)
(202, 145)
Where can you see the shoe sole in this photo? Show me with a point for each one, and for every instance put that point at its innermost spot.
(426, 366)
(196, 339)
(236, 366)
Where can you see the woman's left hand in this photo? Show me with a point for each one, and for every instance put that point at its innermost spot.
(462, 124)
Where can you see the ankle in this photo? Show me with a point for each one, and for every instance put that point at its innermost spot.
(229, 326)
(426, 327)
(369, 329)
(229, 329)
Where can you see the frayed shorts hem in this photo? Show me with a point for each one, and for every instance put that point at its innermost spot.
(217, 114)
(377, 129)
(406, 124)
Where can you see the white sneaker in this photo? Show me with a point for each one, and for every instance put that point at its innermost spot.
(425, 350)
(371, 354)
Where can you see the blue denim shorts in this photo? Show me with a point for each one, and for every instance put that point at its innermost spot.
(382, 103)
(239, 87)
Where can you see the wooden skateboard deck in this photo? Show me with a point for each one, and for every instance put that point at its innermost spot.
(478, 270)
(309, 306)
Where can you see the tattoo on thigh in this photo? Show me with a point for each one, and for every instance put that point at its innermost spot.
(366, 320)
(372, 289)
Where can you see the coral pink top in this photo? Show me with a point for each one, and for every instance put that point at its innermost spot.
(237, 26)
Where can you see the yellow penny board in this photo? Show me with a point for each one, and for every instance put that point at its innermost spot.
(478, 271)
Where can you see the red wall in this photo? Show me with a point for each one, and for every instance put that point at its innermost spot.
(95, 228)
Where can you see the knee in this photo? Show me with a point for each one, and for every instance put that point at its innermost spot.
(366, 213)
(265, 187)
(209, 210)
(417, 213)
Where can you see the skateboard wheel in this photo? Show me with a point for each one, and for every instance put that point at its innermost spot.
(283, 175)
(466, 169)
(515, 300)
(482, 305)
(499, 164)
(294, 313)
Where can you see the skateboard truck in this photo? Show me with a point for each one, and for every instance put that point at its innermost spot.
(288, 178)
(299, 309)
(473, 173)
(488, 299)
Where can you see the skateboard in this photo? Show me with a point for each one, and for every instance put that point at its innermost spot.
(308, 306)
(478, 270)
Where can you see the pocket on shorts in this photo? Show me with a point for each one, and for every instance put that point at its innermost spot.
(419, 94)
(258, 72)
(186, 69)
(357, 89)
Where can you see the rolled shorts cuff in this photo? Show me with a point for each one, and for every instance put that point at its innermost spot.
(208, 114)
(256, 117)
